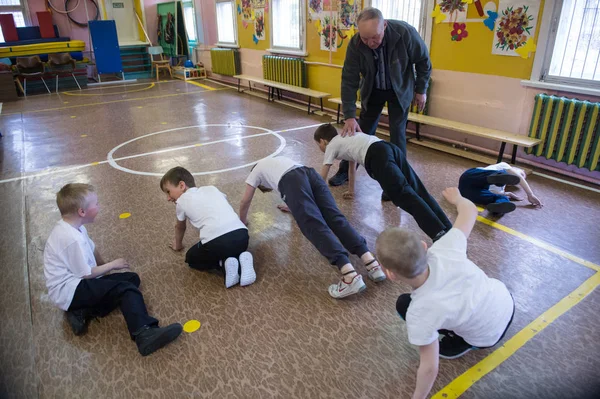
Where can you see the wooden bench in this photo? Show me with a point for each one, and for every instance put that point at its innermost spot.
(0, 114)
(282, 86)
(504, 137)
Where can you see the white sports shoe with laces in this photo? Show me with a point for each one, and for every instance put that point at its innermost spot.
(376, 273)
(343, 289)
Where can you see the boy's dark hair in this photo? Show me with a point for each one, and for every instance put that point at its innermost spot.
(175, 175)
(326, 132)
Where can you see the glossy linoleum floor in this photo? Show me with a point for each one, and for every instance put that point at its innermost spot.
(282, 337)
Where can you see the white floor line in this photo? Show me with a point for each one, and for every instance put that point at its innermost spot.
(68, 169)
(566, 182)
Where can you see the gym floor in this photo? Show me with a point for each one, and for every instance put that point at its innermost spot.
(282, 336)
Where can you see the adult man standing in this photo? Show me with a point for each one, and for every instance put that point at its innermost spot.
(382, 58)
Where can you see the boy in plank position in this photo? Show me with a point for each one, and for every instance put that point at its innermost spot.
(310, 202)
(385, 163)
(450, 295)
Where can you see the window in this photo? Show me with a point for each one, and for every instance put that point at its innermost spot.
(412, 11)
(573, 50)
(190, 21)
(18, 8)
(226, 23)
(288, 26)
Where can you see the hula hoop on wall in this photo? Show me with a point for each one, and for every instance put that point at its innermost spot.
(66, 12)
(82, 24)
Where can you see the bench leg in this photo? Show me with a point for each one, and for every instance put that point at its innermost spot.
(309, 99)
(418, 131)
(279, 94)
(239, 83)
(501, 153)
(338, 114)
(249, 86)
(513, 159)
(321, 104)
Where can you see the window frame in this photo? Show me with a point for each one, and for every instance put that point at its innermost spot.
(543, 57)
(186, 4)
(426, 19)
(303, 52)
(235, 44)
(23, 8)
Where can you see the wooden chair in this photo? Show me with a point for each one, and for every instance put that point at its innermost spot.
(68, 64)
(31, 66)
(158, 61)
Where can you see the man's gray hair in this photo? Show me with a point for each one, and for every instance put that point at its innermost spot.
(368, 14)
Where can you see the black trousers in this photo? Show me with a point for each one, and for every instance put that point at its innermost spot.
(387, 164)
(318, 217)
(369, 119)
(404, 301)
(102, 295)
(208, 256)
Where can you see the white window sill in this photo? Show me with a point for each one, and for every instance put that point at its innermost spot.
(288, 52)
(228, 45)
(559, 87)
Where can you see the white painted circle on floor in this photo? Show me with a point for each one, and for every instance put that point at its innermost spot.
(113, 162)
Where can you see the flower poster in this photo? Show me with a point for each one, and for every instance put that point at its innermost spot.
(328, 30)
(454, 10)
(515, 25)
(246, 10)
(348, 12)
(315, 7)
(258, 3)
(259, 23)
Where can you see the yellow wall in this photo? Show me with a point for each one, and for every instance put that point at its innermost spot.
(245, 34)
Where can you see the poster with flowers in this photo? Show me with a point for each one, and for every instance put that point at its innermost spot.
(246, 10)
(259, 23)
(515, 25)
(328, 30)
(258, 3)
(348, 12)
(315, 7)
(454, 10)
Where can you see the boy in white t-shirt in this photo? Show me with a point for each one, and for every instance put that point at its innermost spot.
(485, 186)
(309, 200)
(223, 237)
(385, 163)
(78, 281)
(451, 296)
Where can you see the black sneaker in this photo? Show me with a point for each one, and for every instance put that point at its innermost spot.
(452, 346)
(501, 207)
(501, 179)
(151, 339)
(79, 320)
(338, 179)
(385, 197)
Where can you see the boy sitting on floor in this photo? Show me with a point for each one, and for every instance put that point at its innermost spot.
(485, 186)
(78, 281)
(385, 163)
(223, 237)
(450, 295)
(312, 205)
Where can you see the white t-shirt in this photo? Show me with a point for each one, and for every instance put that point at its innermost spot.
(350, 148)
(498, 166)
(68, 257)
(208, 210)
(268, 172)
(457, 296)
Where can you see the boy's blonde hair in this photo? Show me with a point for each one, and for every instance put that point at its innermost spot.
(72, 197)
(401, 251)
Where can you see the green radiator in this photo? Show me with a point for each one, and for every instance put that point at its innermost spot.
(291, 71)
(225, 61)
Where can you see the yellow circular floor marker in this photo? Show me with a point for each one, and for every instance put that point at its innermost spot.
(73, 117)
(84, 135)
(124, 215)
(191, 326)
(140, 107)
(163, 123)
(65, 102)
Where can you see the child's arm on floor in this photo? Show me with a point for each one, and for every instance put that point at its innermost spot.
(245, 204)
(523, 183)
(325, 171)
(180, 227)
(428, 369)
(351, 179)
(116, 264)
(467, 211)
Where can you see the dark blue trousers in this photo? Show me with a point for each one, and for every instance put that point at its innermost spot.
(473, 185)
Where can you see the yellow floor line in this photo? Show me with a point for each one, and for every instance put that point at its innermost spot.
(200, 85)
(74, 93)
(110, 102)
(459, 385)
(540, 244)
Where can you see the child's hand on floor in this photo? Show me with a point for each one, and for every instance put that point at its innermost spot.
(119, 264)
(175, 247)
(348, 195)
(284, 208)
(513, 196)
(535, 201)
(452, 195)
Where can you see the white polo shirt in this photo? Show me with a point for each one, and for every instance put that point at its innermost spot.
(457, 296)
(268, 172)
(350, 148)
(68, 257)
(209, 211)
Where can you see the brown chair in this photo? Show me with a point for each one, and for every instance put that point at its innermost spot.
(29, 67)
(62, 62)
(158, 61)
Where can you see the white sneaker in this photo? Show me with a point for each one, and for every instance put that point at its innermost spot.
(248, 274)
(231, 272)
(344, 289)
(376, 273)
